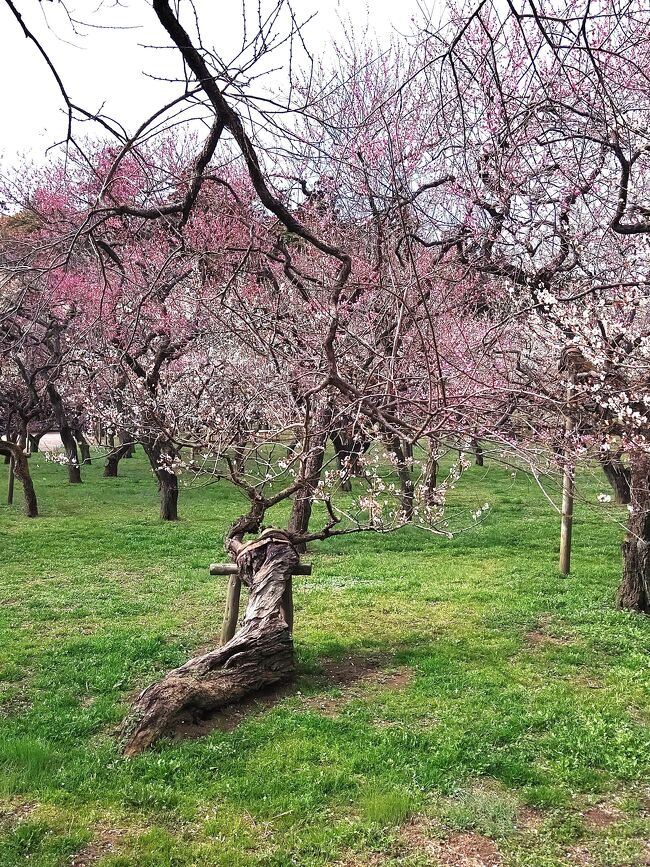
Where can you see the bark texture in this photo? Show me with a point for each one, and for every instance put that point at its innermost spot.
(21, 472)
(159, 455)
(478, 453)
(124, 450)
(168, 496)
(634, 590)
(34, 442)
(259, 655)
(310, 472)
(619, 477)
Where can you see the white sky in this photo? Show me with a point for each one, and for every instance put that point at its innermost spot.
(109, 66)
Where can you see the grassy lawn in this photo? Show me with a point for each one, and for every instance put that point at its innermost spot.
(459, 702)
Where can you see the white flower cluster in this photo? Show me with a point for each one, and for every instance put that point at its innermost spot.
(59, 458)
(170, 464)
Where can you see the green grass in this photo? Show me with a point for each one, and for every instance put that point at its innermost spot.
(99, 598)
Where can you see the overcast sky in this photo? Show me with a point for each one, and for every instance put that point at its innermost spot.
(102, 65)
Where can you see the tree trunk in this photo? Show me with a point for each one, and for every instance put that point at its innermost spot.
(478, 453)
(84, 447)
(618, 475)
(431, 475)
(343, 457)
(159, 455)
(291, 449)
(10, 486)
(310, 472)
(34, 442)
(68, 440)
(168, 496)
(113, 459)
(21, 471)
(70, 447)
(259, 655)
(634, 590)
(348, 451)
(403, 466)
(301, 511)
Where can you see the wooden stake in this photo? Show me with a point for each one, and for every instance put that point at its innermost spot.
(568, 489)
(231, 615)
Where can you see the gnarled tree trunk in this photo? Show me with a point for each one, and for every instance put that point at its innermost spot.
(67, 438)
(259, 655)
(311, 468)
(34, 442)
(21, 472)
(619, 477)
(634, 590)
(159, 455)
(124, 450)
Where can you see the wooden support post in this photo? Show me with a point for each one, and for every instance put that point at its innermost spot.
(233, 596)
(231, 615)
(566, 528)
(568, 488)
(12, 476)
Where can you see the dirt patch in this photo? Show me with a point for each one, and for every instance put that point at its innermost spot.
(541, 634)
(12, 814)
(602, 816)
(106, 844)
(469, 850)
(347, 670)
(529, 818)
(363, 861)
(228, 719)
(352, 674)
(579, 855)
(418, 838)
(354, 677)
(466, 849)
